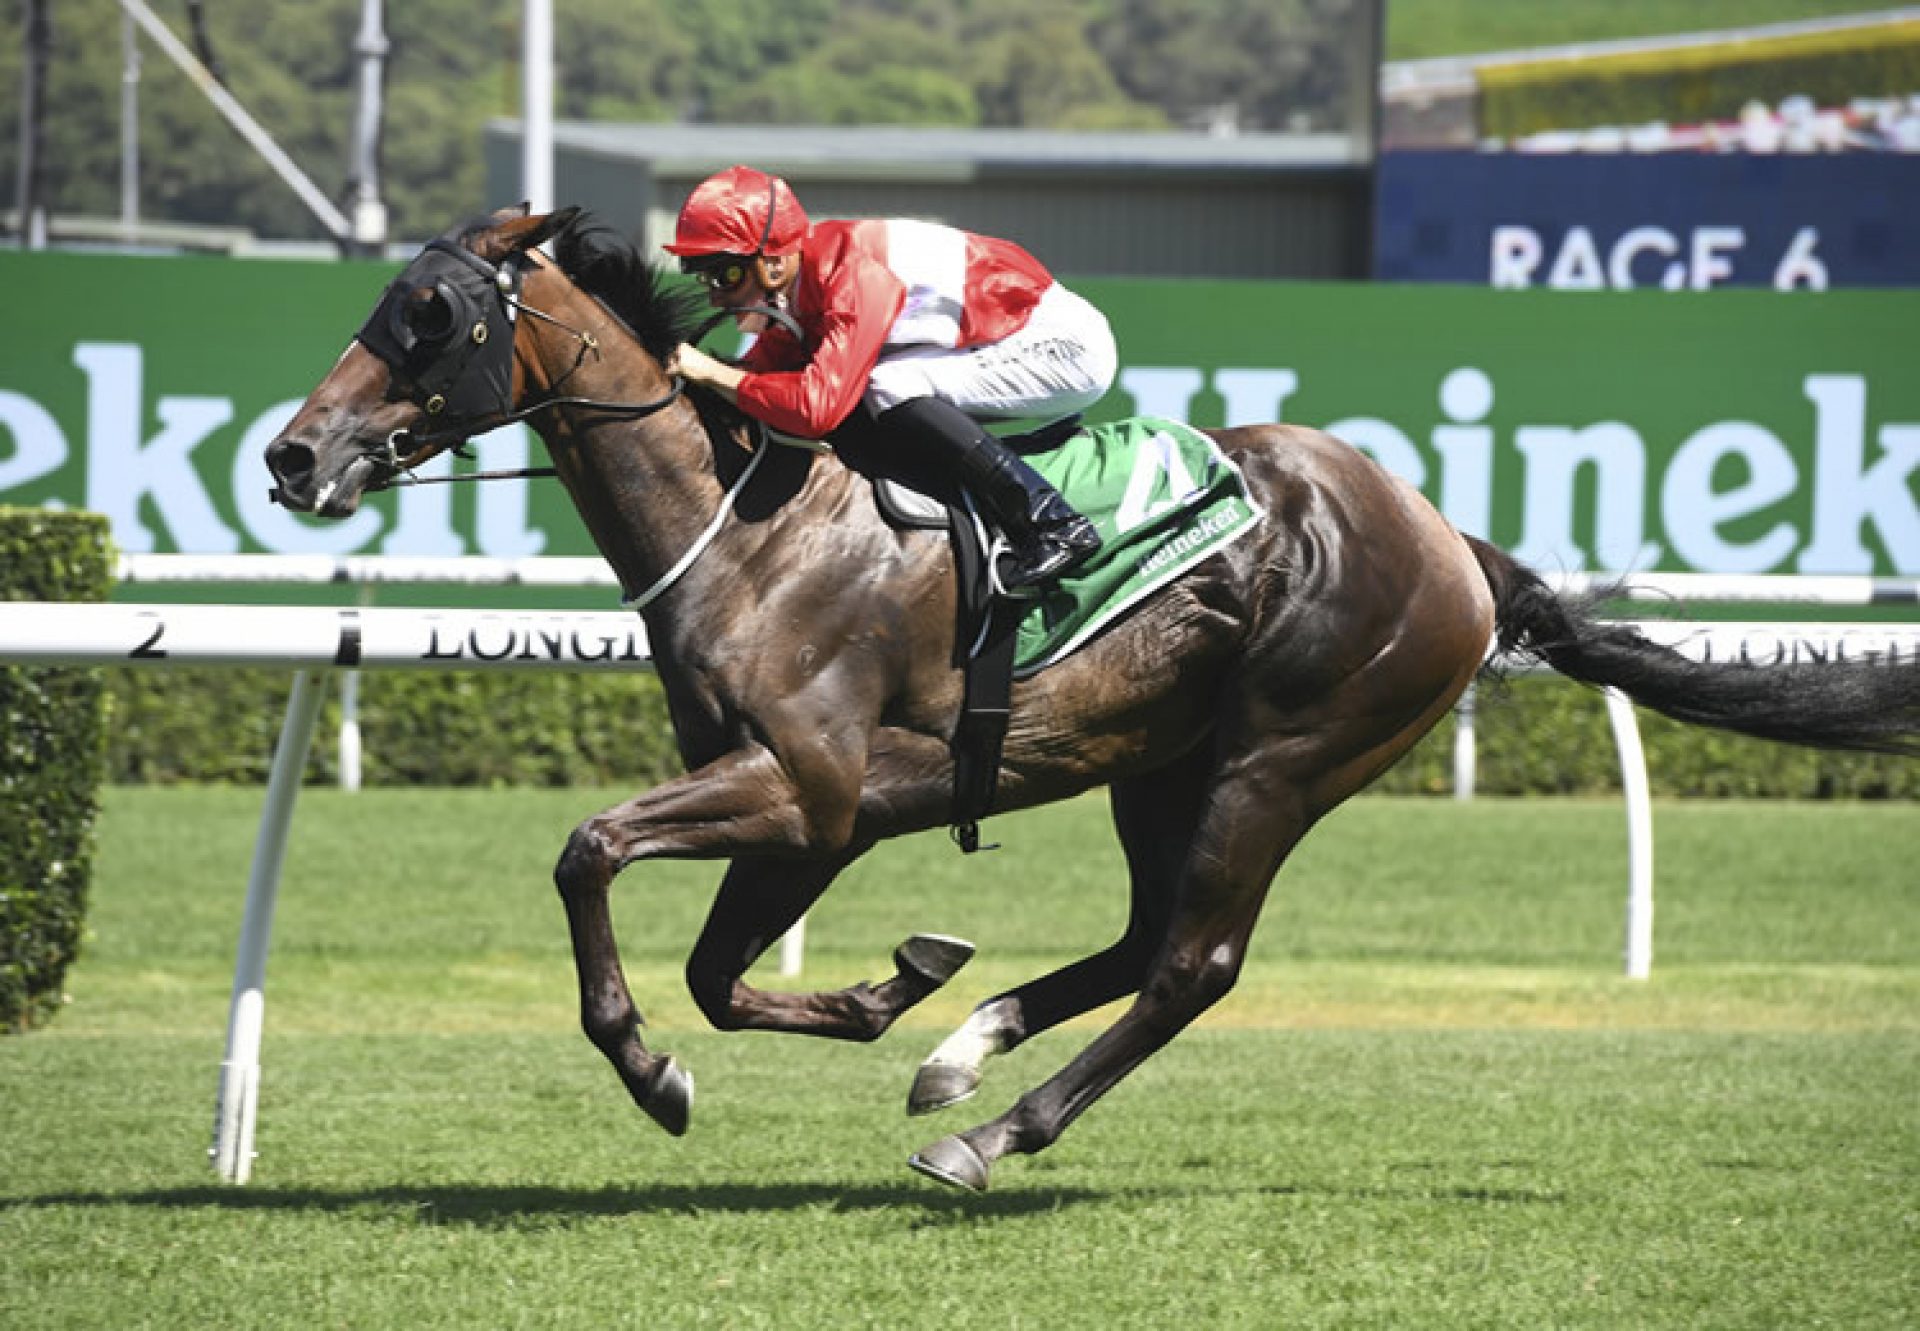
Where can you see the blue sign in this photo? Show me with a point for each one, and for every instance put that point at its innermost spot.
(1678, 221)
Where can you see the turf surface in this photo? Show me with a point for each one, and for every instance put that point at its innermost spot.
(1433, 1102)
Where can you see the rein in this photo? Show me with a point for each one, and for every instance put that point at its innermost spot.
(403, 476)
(455, 374)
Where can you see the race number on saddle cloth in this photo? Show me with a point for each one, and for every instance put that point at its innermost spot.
(1162, 496)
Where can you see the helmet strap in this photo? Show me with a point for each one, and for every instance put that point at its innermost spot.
(773, 203)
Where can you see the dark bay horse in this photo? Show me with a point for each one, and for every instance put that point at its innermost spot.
(806, 652)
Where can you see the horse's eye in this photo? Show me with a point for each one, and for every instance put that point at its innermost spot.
(428, 314)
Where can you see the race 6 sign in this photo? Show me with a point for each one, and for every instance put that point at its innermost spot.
(1673, 222)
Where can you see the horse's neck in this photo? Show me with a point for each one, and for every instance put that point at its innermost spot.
(647, 487)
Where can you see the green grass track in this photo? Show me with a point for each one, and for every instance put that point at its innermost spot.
(1432, 1102)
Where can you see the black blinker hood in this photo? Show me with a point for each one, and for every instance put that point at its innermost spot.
(452, 355)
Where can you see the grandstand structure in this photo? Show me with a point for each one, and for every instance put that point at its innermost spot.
(1095, 204)
(1438, 102)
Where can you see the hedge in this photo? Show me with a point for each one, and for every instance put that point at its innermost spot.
(1536, 736)
(419, 728)
(52, 757)
(1688, 85)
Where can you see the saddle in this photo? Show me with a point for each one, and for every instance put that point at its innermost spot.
(1163, 496)
(911, 509)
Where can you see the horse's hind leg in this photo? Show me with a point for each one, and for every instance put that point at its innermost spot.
(1155, 815)
(1261, 796)
(758, 901)
(1253, 817)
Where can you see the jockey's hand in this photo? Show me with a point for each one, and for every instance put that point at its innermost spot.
(697, 367)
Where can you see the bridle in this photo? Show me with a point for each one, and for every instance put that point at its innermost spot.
(452, 348)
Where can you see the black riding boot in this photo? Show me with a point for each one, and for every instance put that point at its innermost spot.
(1048, 537)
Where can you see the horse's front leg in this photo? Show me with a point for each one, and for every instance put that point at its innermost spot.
(907, 785)
(745, 803)
(758, 901)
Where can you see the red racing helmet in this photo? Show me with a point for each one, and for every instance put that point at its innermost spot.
(740, 211)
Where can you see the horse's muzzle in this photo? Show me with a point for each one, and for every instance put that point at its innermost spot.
(301, 488)
(292, 467)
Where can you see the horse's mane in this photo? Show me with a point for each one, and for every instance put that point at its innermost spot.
(661, 312)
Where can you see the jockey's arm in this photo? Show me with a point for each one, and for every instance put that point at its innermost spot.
(857, 306)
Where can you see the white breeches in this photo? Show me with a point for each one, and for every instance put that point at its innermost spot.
(1063, 361)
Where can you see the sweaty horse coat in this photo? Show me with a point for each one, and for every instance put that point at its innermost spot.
(807, 659)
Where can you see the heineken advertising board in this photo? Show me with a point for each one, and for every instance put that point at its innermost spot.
(1722, 432)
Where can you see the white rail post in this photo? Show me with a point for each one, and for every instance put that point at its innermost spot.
(239, 1102)
(350, 747)
(1466, 754)
(793, 948)
(350, 730)
(1633, 785)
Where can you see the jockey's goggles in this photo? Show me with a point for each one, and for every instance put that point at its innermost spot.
(717, 273)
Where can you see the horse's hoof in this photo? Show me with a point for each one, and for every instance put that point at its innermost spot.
(670, 1099)
(951, 1161)
(935, 958)
(938, 1085)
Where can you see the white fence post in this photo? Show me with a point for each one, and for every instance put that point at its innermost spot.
(1633, 785)
(349, 730)
(1466, 750)
(793, 948)
(239, 1101)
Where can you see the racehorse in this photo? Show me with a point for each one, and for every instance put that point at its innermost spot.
(807, 653)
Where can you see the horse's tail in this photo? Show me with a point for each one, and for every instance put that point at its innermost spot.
(1867, 705)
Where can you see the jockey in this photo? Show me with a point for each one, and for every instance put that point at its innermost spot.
(930, 329)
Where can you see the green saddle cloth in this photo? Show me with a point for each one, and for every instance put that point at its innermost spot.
(1162, 496)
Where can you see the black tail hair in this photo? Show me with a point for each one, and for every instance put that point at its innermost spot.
(1872, 706)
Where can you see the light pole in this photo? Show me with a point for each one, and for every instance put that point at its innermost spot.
(536, 104)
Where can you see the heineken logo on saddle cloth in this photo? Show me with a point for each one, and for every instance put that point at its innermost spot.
(1162, 496)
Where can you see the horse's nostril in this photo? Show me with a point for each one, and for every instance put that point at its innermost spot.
(290, 463)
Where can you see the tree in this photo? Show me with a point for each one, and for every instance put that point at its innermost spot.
(622, 60)
(1265, 64)
(1064, 64)
(738, 44)
(1035, 67)
(876, 69)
